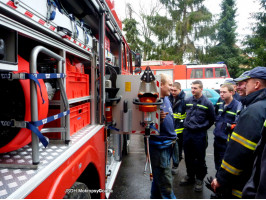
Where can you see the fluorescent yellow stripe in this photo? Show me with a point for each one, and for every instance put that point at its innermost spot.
(230, 168)
(219, 103)
(229, 112)
(189, 104)
(202, 106)
(221, 110)
(237, 193)
(265, 123)
(243, 141)
(178, 116)
(179, 130)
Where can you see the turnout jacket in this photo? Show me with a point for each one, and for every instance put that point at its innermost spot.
(200, 113)
(238, 160)
(228, 114)
(179, 111)
(256, 186)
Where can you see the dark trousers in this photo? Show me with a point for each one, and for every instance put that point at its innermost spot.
(219, 150)
(180, 145)
(162, 184)
(195, 144)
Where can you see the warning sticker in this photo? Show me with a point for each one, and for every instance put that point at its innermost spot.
(127, 86)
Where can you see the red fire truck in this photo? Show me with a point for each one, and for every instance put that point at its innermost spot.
(211, 75)
(59, 64)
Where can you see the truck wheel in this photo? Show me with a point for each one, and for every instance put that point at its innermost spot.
(78, 191)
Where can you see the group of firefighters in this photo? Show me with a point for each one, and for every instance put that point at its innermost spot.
(239, 137)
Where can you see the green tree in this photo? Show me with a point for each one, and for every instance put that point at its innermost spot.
(190, 20)
(162, 27)
(226, 49)
(153, 7)
(130, 27)
(256, 43)
(137, 29)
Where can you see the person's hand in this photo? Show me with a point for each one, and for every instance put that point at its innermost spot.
(163, 115)
(215, 184)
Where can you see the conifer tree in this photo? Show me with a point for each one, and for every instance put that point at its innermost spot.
(256, 43)
(226, 49)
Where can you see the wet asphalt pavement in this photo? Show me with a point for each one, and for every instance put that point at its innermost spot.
(132, 184)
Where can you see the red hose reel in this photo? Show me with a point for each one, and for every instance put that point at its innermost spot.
(14, 140)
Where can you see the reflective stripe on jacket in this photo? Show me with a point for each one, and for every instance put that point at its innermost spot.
(256, 186)
(179, 111)
(200, 113)
(239, 156)
(229, 115)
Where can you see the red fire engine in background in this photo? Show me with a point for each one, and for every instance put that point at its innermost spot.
(59, 61)
(211, 75)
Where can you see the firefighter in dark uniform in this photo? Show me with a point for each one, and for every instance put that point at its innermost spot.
(200, 117)
(256, 186)
(231, 81)
(238, 160)
(227, 115)
(177, 99)
(236, 96)
(241, 86)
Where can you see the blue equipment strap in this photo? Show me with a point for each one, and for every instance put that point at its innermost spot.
(27, 125)
(45, 75)
(51, 118)
(33, 125)
(35, 130)
(35, 77)
(11, 76)
(32, 77)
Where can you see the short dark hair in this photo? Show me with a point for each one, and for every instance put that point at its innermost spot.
(177, 85)
(198, 82)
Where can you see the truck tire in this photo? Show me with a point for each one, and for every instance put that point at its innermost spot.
(78, 191)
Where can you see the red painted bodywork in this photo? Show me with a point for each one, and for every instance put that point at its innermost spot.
(54, 187)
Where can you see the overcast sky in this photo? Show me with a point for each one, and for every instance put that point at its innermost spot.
(244, 8)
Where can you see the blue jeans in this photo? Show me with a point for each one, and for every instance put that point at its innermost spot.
(162, 185)
(176, 156)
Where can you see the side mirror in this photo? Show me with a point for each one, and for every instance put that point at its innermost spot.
(138, 60)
